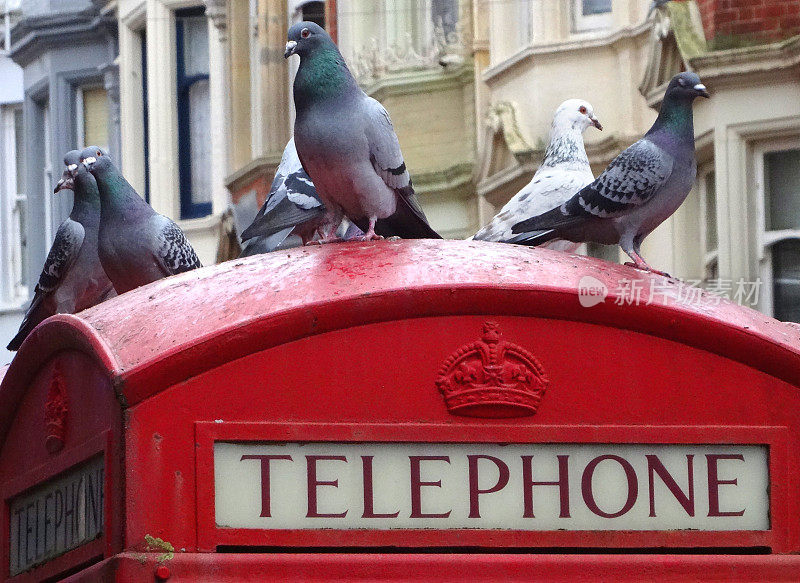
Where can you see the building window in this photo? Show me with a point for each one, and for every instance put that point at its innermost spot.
(194, 131)
(778, 174)
(709, 242)
(313, 12)
(14, 246)
(91, 104)
(47, 171)
(591, 15)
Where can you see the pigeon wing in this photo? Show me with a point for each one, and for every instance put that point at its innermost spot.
(384, 150)
(62, 255)
(174, 253)
(631, 179)
(292, 199)
(541, 194)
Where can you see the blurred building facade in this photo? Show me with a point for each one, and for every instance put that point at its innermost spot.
(412, 55)
(13, 248)
(740, 227)
(193, 98)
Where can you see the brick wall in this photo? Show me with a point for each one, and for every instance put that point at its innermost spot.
(739, 22)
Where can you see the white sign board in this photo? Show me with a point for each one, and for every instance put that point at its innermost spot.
(56, 516)
(491, 486)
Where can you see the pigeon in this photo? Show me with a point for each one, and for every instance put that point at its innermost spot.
(564, 171)
(136, 244)
(638, 191)
(72, 278)
(292, 207)
(347, 145)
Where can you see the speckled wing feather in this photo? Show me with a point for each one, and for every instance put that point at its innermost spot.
(630, 180)
(175, 254)
(62, 255)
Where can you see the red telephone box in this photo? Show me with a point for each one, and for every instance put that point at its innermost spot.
(404, 410)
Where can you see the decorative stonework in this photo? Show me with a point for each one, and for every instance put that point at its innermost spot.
(55, 411)
(443, 49)
(492, 378)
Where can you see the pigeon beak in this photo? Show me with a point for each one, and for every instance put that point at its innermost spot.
(596, 123)
(88, 162)
(66, 183)
(701, 90)
(291, 47)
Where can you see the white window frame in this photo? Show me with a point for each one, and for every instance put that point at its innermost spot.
(710, 257)
(581, 23)
(766, 239)
(12, 291)
(47, 174)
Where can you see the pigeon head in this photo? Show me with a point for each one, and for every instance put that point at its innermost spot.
(95, 159)
(72, 161)
(305, 38)
(685, 87)
(575, 114)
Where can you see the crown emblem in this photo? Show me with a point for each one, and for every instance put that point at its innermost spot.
(55, 411)
(492, 378)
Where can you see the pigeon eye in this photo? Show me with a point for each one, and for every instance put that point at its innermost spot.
(99, 153)
(305, 33)
(582, 110)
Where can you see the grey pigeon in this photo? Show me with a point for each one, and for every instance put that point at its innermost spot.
(72, 278)
(136, 244)
(638, 191)
(346, 143)
(292, 207)
(564, 171)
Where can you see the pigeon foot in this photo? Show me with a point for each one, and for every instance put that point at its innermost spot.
(370, 235)
(326, 240)
(367, 237)
(644, 267)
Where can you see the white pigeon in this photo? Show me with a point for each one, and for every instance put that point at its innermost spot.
(564, 171)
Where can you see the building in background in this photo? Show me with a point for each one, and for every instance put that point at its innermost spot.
(13, 249)
(414, 56)
(200, 109)
(66, 50)
(742, 222)
(174, 111)
(535, 55)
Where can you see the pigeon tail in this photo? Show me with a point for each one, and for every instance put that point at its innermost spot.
(33, 317)
(407, 222)
(551, 220)
(532, 238)
(285, 214)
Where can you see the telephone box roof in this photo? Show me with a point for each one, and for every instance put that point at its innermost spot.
(176, 328)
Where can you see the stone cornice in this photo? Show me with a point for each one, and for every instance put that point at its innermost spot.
(263, 166)
(450, 179)
(418, 81)
(771, 58)
(579, 43)
(36, 34)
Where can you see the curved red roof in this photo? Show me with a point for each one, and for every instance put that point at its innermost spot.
(178, 327)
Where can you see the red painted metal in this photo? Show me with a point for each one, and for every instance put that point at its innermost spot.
(346, 343)
(455, 568)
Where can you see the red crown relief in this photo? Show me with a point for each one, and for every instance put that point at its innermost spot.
(492, 378)
(55, 411)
